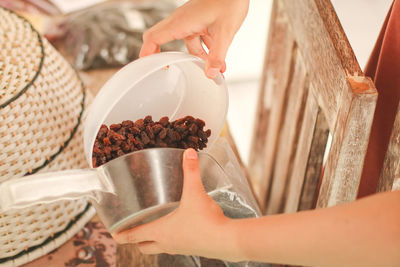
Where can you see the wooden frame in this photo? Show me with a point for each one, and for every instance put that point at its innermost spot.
(311, 85)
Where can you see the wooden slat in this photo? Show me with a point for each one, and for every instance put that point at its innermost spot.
(325, 49)
(270, 106)
(303, 149)
(349, 143)
(391, 165)
(314, 165)
(288, 136)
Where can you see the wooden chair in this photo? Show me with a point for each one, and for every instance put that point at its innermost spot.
(390, 175)
(312, 86)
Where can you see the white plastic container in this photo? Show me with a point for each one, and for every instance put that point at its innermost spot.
(169, 84)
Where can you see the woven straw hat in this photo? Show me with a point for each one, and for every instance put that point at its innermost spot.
(42, 109)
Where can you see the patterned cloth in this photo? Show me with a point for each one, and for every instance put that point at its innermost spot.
(93, 246)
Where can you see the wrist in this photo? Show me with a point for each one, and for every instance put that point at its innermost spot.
(230, 236)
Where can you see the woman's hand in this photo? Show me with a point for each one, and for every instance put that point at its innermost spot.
(215, 22)
(197, 227)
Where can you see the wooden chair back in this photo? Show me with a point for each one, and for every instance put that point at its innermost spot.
(312, 88)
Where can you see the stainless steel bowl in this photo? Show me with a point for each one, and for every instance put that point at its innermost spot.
(147, 184)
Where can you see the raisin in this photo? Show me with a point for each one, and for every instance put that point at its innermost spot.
(157, 128)
(163, 133)
(129, 136)
(178, 137)
(201, 146)
(184, 145)
(193, 139)
(126, 147)
(145, 139)
(200, 123)
(97, 149)
(181, 128)
(149, 131)
(116, 137)
(115, 127)
(164, 121)
(107, 150)
(148, 119)
(106, 141)
(102, 132)
(189, 118)
(127, 124)
(201, 134)
(171, 134)
(135, 130)
(193, 129)
(139, 123)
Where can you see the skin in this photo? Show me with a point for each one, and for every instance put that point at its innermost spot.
(213, 22)
(365, 232)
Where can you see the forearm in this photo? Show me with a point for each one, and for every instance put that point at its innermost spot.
(363, 233)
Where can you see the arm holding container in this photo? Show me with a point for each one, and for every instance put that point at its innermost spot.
(362, 233)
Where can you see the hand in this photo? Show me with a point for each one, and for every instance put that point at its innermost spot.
(215, 22)
(197, 227)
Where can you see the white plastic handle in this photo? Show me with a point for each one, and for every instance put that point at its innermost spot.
(52, 186)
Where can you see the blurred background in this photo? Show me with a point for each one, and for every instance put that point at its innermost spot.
(101, 34)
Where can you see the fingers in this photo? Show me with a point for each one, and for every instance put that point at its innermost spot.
(192, 185)
(163, 32)
(154, 37)
(194, 46)
(218, 47)
(209, 43)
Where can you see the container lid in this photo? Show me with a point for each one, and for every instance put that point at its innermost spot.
(169, 84)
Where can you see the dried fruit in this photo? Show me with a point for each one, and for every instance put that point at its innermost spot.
(128, 136)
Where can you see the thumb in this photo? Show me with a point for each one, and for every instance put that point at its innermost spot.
(192, 184)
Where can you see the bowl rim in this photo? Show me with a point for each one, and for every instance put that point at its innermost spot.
(163, 59)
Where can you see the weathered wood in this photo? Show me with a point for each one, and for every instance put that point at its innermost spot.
(272, 94)
(345, 97)
(325, 49)
(296, 181)
(391, 165)
(349, 143)
(288, 135)
(313, 173)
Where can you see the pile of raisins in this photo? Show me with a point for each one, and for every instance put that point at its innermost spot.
(129, 136)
